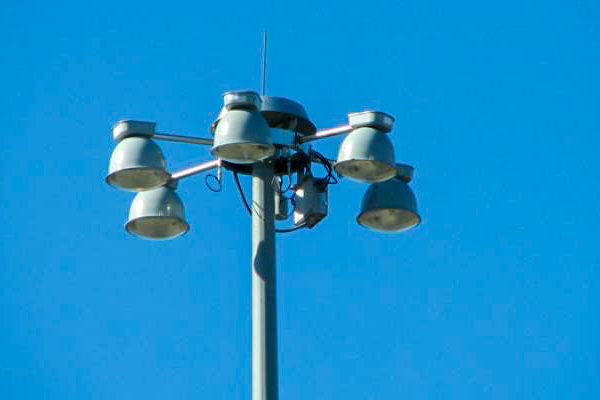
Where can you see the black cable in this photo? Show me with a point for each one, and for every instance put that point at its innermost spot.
(242, 195)
(290, 229)
(330, 179)
(210, 187)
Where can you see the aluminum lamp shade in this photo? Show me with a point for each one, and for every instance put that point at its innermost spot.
(137, 164)
(243, 137)
(389, 206)
(366, 155)
(157, 215)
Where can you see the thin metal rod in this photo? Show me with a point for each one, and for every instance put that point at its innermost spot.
(182, 139)
(184, 173)
(263, 86)
(264, 293)
(340, 130)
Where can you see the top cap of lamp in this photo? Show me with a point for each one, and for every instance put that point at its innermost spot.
(373, 119)
(245, 100)
(242, 134)
(367, 153)
(127, 128)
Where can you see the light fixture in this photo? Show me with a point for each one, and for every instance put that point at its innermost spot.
(390, 206)
(137, 164)
(268, 138)
(242, 134)
(157, 214)
(367, 153)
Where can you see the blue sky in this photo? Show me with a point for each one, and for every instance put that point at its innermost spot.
(495, 295)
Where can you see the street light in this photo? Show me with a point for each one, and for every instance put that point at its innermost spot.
(268, 138)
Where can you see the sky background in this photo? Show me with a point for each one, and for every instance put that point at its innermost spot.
(495, 296)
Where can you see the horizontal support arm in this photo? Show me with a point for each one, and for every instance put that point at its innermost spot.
(184, 173)
(182, 139)
(339, 130)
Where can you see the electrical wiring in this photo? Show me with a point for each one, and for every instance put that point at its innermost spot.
(245, 201)
(219, 185)
(242, 195)
(288, 187)
(290, 229)
(330, 179)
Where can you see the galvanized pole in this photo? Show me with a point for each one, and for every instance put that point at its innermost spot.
(264, 293)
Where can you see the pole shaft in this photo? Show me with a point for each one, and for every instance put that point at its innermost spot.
(264, 294)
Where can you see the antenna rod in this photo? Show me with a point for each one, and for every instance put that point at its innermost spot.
(263, 89)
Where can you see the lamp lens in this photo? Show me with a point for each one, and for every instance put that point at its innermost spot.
(388, 219)
(157, 228)
(138, 179)
(244, 153)
(365, 170)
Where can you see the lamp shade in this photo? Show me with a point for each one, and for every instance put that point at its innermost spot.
(366, 155)
(242, 137)
(137, 164)
(157, 214)
(389, 206)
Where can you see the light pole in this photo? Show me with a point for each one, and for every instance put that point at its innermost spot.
(267, 138)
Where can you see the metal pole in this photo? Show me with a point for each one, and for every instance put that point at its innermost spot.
(184, 173)
(264, 294)
(182, 139)
(340, 130)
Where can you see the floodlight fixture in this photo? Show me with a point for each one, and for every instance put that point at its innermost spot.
(390, 206)
(137, 164)
(242, 134)
(367, 153)
(157, 214)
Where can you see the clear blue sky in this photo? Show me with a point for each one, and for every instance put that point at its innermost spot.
(495, 296)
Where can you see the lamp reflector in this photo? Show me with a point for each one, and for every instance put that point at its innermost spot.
(242, 137)
(157, 214)
(389, 206)
(366, 155)
(137, 164)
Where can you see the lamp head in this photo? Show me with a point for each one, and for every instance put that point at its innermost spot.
(389, 206)
(243, 137)
(366, 155)
(137, 164)
(157, 214)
